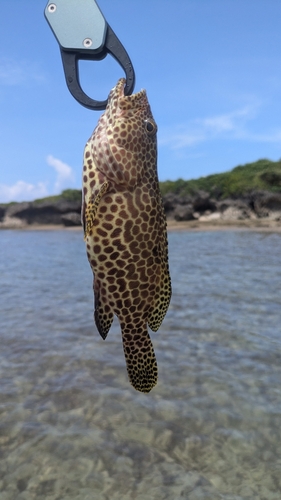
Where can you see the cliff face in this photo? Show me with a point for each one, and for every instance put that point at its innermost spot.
(250, 192)
(201, 207)
(60, 212)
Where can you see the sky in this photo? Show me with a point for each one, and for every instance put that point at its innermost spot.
(211, 68)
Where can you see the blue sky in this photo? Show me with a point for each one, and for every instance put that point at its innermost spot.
(211, 68)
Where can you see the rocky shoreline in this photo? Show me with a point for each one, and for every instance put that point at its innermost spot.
(45, 213)
(256, 209)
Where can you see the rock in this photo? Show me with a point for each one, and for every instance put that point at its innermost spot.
(203, 202)
(2, 212)
(235, 209)
(71, 219)
(201, 206)
(265, 203)
(183, 208)
(274, 215)
(12, 223)
(45, 212)
(18, 209)
(196, 215)
(234, 213)
(206, 217)
(170, 202)
(183, 212)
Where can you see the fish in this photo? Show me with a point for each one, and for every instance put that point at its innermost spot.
(125, 229)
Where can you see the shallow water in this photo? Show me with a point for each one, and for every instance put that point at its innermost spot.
(72, 427)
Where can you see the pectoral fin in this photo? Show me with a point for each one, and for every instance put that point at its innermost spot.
(91, 208)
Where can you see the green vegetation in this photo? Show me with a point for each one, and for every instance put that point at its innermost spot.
(66, 195)
(260, 175)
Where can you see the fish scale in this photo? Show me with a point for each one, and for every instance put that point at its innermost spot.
(125, 229)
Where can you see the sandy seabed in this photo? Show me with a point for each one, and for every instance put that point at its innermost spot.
(72, 428)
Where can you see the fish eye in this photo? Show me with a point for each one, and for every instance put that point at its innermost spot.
(150, 127)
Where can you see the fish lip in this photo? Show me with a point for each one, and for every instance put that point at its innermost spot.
(120, 92)
(120, 105)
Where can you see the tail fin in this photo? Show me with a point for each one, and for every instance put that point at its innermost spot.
(140, 358)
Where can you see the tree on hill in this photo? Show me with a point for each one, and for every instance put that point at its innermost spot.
(262, 175)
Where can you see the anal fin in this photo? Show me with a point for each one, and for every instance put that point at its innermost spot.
(103, 321)
(103, 315)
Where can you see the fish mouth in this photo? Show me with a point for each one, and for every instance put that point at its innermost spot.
(135, 99)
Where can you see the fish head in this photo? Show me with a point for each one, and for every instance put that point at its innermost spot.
(124, 143)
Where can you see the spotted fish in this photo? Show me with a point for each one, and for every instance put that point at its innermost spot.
(125, 229)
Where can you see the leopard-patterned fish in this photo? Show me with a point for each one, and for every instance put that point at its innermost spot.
(125, 229)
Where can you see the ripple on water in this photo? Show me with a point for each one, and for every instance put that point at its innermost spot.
(71, 426)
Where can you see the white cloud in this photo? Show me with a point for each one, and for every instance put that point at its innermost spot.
(232, 124)
(181, 139)
(220, 124)
(22, 191)
(65, 175)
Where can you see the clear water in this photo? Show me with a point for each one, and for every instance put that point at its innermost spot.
(71, 426)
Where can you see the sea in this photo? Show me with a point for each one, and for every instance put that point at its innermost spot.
(71, 425)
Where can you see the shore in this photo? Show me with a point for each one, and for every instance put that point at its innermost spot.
(264, 225)
(219, 225)
(257, 211)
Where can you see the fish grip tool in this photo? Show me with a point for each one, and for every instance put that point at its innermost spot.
(83, 34)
